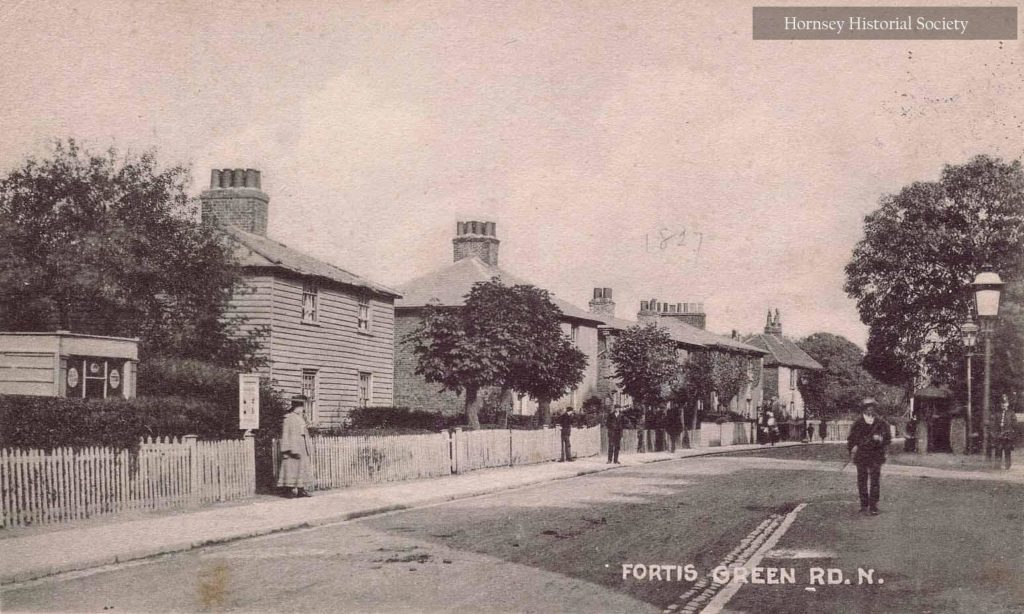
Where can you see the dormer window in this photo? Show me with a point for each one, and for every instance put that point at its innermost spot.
(310, 302)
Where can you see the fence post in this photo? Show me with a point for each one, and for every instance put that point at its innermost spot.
(456, 444)
(250, 457)
(191, 442)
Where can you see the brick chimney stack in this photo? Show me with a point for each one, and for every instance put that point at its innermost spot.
(773, 326)
(235, 199)
(689, 313)
(602, 303)
(478, 239)
(650, 312)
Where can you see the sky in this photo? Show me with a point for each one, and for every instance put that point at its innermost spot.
(652, 147)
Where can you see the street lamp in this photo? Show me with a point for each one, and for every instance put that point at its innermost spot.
(987, 287)
(970, 337)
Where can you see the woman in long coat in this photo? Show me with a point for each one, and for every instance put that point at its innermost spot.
(293, 471)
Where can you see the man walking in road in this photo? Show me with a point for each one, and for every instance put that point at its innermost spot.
(294, 471)
(565, 421)
(869, 437)
(1004, 433)
(614, 426)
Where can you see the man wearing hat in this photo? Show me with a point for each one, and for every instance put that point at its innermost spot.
(869, 437)
(293, 471)
(565, 421)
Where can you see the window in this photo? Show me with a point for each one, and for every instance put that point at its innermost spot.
(792, 379)
(365, 389)
(310, 302)
(574, 334)
(363, 316)
(310, 390)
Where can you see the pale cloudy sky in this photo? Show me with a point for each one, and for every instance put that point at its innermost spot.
(587, 130)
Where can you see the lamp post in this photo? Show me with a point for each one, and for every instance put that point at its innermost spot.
(970, 337)
(987, 287)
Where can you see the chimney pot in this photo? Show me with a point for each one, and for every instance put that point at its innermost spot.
(251, 178)
(214, 179)
(238, 178)
(607, 292)
(225, 178)
(643, 305)
(598, 293)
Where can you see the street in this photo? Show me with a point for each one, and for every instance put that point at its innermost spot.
(592, 543)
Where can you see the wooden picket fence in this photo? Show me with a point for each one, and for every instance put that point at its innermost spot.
(344, 461)
(45, 487)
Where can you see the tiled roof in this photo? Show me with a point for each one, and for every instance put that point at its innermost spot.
(689, 335)
(783, 352)
(450, 285)
(254, 250)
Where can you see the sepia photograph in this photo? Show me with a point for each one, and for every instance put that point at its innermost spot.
(673, 306)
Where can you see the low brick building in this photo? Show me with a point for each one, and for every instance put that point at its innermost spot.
(475, 250)
(330, 333)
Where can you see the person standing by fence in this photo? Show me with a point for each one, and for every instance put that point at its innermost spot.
(565, 422)
(869, 437)
(294, 471)
(1004, 433)
(614, 424)
(773, 428)
(823, 429)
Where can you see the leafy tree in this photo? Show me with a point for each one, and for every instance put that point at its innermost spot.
(503, 336)
(110, 244)
(645, 364)
(838, 388)
(911, 273)
(708, 372)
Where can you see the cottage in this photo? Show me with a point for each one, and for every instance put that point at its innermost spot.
(329, 333)
(782, 367)
(686, 324)
(65, 364)
(476, 260)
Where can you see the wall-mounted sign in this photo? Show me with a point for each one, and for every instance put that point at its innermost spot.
(115, 378)
(72, 377)
(248, 401)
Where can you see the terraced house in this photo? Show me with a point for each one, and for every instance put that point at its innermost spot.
(686, 324)
(330, 332)
(783, 367)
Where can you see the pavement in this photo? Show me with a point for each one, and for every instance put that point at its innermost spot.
(40, 554)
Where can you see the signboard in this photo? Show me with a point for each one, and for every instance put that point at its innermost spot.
(248, 401)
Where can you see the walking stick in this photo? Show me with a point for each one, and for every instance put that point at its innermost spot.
(850, 459)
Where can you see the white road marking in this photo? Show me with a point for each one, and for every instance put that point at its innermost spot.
(785, 553)
(719, 601)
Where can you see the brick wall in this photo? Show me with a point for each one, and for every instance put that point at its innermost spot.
(412, 390)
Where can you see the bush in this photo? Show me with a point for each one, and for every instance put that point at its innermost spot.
(398, 418)
(56, 422)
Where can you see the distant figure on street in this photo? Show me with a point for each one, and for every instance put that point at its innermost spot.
(614, 423)
(869, 437)
(294, 471)
(823, 429)
(910, 436)
(773, 429)
(810, 433)
(1004, 433)
(565, 421)
(673, 427)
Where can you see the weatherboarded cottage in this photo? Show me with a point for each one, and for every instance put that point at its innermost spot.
(329, 332)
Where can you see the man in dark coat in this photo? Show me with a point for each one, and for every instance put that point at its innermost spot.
(614, 423)
(1004, 433)
(823, 429)
(869, 437)
(565, 421)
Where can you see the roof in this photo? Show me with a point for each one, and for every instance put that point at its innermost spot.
(688, 334)
(450, 285)
(253, 250)
(783, 352)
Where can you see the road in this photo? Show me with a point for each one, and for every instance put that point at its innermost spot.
(940, 545)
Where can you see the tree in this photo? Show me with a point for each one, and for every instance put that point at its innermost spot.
(509, 337)
(110, 245)
(644, 358)
(838, 388)
(911, 273)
